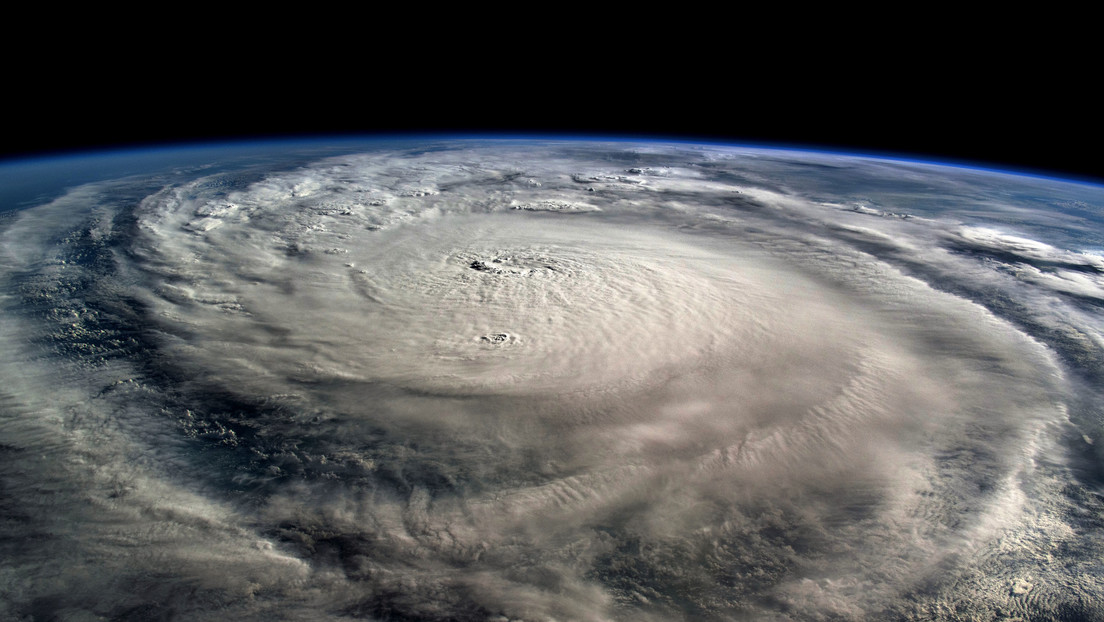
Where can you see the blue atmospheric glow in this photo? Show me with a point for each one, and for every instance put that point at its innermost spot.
(92, 164)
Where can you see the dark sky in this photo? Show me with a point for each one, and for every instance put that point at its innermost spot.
(1042, 121)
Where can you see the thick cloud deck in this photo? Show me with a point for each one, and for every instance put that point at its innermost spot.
(564, 381)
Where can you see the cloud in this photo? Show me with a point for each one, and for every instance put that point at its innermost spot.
(490, 381)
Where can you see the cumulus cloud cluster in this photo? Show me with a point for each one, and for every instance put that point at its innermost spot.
(566, 381)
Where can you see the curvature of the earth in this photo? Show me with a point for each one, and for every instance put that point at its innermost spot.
(556, 380)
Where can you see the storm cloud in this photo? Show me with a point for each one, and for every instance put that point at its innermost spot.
(555, 381)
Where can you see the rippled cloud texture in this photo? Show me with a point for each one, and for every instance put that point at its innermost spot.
(554, 381)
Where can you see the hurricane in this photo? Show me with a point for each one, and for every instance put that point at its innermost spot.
(553, 380)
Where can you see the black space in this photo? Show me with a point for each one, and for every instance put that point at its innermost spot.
(1040, 120)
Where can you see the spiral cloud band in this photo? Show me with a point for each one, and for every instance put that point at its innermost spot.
(479, 380)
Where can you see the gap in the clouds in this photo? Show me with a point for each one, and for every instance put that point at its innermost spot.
(1082, 361)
